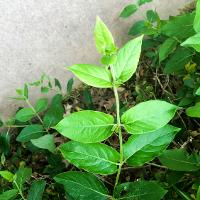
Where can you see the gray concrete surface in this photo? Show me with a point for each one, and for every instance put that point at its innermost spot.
(47, 35)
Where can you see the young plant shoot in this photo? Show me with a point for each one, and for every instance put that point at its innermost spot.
(146, 123)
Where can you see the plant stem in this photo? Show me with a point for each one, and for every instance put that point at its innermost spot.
(20, 191)
(120, 135)
(119, 130)
(38, 116)
(29, 104)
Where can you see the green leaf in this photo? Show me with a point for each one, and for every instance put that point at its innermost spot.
(7, 175)
(1, 122)
(108, 59)
(143, 148)
(198, 92)
(129, 10)
(25, 114)
(179, 160)
(178, 60)
(198, 193)
(82, 186)
(57, 84)
(9, 194)
(193, 41)
(30, 132)
(36, 190)
(148, 116)
(152, 16)
(55, 112)
(103, 38)
(69, 86)
(93, 75)
(41, 105)
(197, 18)
(139, 190)
(127, 60)
(166, 48)
(45, 142)
(25, 92)
(194, 111)
(141, 2)
(4, 143)
(86, 126)
(22, 175)
(138, 28)
(45, 89)
(180, 27)
(96, 158)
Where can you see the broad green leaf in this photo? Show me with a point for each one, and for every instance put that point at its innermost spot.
(137, 28)
(7, 175)
(86, 126)
(9, 194)
(139, 190)
(41, 105)
(129, 10)
(180, 160)
(95, 158)
(127, 60)
(148, 116)
(36, 190)
(178, 60)
(143, 148)
(197, 18)
(22, 175)
(103, 38)
(83, 186)
(194, 111)
(166, 48)
(25, 114)
(141, 2)
(93, 75)
(30, 132)
(193, 41)
(180, 27)
(55, 112)
(45, 142)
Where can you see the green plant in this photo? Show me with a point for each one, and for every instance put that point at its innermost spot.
(132, 8)
(173, 48)
(171, 55)
(147, 122)
(18, 181)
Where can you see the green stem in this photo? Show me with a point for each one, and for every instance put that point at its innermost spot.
(30, 105)
(20, 191)
(120, 135)
(118, 127)
(38, 116)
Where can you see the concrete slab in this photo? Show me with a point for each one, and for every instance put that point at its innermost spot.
(39, 36)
